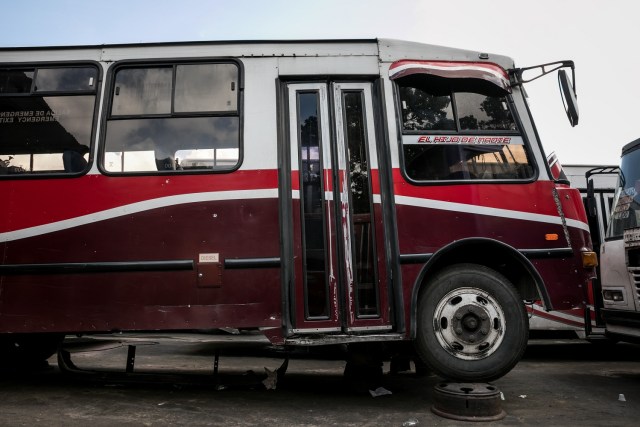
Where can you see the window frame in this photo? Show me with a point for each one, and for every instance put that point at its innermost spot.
(172, 63)
(519, 131)
(96, 92)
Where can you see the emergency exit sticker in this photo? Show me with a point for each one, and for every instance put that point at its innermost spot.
(204, 258)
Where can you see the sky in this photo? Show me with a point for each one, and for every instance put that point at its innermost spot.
(598, 35)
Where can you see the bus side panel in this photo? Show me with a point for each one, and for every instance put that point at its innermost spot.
(181, 226)
(102, 304)
(521, 216)
(518, 215)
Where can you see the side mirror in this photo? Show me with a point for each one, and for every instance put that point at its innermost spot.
(567, 90)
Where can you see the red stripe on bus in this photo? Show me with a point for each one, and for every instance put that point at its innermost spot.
(534, 197)
(42, 201)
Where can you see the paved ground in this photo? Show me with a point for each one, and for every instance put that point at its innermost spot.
(564, 383)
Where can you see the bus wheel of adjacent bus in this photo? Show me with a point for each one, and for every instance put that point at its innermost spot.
(472, 324)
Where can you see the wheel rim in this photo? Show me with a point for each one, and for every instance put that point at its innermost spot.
(469, 323)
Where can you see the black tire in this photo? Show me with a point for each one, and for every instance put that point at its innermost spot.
(472, 325)
(28, 350)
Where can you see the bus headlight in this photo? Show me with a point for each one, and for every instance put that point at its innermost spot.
(612, 295)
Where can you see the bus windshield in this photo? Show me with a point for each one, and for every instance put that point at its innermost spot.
(626, 212)
(459, 130)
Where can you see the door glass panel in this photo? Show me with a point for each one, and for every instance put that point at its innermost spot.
(360, 194)
(311, 201)
(337, 265)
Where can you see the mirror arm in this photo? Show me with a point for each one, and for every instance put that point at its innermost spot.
(515, 74)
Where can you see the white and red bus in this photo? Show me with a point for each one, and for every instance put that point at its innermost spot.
(320, 192)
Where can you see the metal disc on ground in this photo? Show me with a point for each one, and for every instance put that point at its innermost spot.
(468, 402)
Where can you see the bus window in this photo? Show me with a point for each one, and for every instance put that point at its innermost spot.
(481, 112)
(422, 110)
(174, 117)
(16, 81)
(459, 130)
(65, 79)
(46, 117)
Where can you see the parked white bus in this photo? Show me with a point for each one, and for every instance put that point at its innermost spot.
(620, 251)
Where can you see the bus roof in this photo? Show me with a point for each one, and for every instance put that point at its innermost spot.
(388, 50)
(631, 146)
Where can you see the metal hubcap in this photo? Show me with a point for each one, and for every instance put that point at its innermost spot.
(469, 323)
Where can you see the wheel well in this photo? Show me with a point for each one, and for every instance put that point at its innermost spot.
(492, 254)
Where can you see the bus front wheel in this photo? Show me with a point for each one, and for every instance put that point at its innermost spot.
(471, 324)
